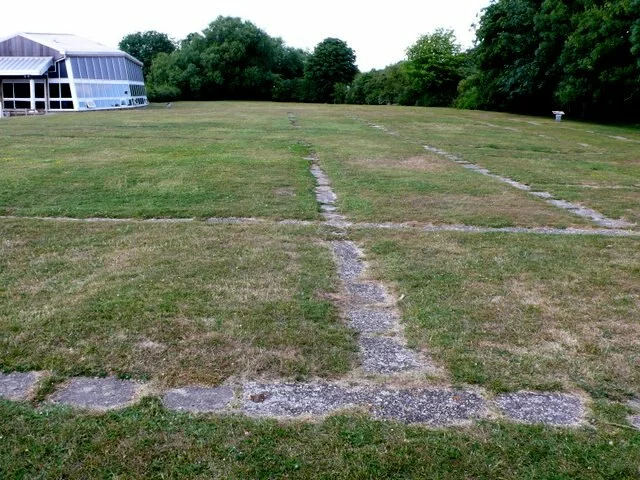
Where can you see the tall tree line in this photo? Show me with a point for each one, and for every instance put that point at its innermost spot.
(530, 56)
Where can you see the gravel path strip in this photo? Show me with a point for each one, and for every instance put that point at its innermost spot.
(547, 408)
(337, 220)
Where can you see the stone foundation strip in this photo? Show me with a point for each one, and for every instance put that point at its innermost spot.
(433, 406)
(574, 208)
(17, 386)
(382, 350)
(613, 232)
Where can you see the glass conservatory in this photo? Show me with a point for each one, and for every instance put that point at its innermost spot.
(55, 72)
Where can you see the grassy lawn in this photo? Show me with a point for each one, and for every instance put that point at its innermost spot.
(517, 312)
(173, 303)
(196, 159)
(176, 304)
(148, 442)
(567, 159)
(381, 177)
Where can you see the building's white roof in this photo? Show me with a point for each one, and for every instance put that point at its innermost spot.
(69, 44)
(19, 66)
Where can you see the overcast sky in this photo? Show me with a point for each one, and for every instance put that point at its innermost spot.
(379, 32)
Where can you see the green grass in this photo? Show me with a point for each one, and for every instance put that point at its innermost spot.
(540, 152)
(194, 160)
(173, 303)
(194, 303)
(382, 177)
(513, 312)
(146, 441)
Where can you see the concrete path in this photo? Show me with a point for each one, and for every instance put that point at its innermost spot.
(337, 220)
(432, 406)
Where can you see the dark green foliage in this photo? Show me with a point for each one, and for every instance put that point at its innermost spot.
(331, 62)
(535, 56)
(145, 46)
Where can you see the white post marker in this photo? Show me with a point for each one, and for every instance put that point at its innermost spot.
(558, 114)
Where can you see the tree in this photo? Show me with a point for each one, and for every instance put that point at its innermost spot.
(435, 65)
(601, 73)
(332, 62)
(534, 56)
(145, 46)
(237, 61)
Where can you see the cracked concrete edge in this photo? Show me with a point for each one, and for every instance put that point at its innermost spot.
(236, 394)
(559, 409)
(80, 393)
(20, 386)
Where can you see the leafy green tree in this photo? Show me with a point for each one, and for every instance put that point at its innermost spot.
(391, 85)
(505, 55)
(601, 73)
(435, 66)
(533, 56)
(145, 46)
(332, 62)
(237, 60)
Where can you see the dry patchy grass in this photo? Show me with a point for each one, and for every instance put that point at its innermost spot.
(536, 151)
(175, 303)
(520, 311)
(383, 177)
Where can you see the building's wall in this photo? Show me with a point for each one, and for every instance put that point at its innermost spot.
(107, 82)
(21, 47)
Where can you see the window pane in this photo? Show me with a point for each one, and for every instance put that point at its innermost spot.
(62, 66)
(8, 104)
(40, 105)
(39, 90)
(91, 73)
(104, 74)
(75, 68)
(65, 90)
(23, 104)
(54, 90)
(7, 90)
(54, 105)
(110, 68)
(22, 90)
(67, 105)
(82, 63)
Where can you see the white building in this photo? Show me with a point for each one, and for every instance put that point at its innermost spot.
(42, 72)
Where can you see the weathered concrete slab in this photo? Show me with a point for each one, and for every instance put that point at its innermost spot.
(438, 407)
(350, 266)
(97, 393)
(325, 195)
(321, 178)
(428, 406)
(384, 355)
(198, 399)
(547, 408)
(372, 319)
(367, 292)
(295, 399)
(18, 385)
